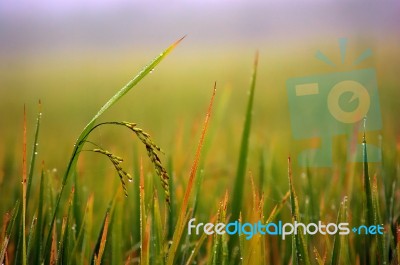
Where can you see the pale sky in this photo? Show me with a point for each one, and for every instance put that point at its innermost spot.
(29, 26)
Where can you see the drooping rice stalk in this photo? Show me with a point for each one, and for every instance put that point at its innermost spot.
(84, 134)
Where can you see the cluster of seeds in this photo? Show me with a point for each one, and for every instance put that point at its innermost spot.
(116, 161)
(152, 152)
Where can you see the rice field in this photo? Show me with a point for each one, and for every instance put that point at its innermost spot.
(120, 187)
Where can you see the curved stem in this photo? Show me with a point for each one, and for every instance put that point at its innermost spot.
(74, 158)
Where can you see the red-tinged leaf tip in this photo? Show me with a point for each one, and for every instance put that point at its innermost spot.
(181, 39)
(183, 212)
(200, 145)
(256, 59)
(173, 45)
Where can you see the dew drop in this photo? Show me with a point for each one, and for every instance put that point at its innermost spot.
(36, 153)
(130, 180)
(151, 71)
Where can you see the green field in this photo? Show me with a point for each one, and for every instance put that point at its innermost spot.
(95, 222)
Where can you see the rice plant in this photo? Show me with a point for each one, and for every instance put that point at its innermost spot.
(53, 220)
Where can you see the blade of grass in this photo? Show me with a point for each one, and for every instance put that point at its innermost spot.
(254, 252)
(199, 181)
(77, 203)
(225, 250)
(300, 245)
(367, 186)
(392, 207)
(64, 232)
(368, 201)
(98, 251)
(40, 224)
(81, 233)
(310, 189)
(98, 257)
(261, 173)
(84, 134)
(117, 236)
(53, 251)
(242, 240)
(320, 261)
(24, 183)
(340, 244)
(158, 233)
(219, 114)
(218, 256)
(146, 243)
(198, 245)
(183, 211)
(383, 257)
(218, 118)
(196, 249)
(86, 243)
(9, 229)
(63, 247)
(278, 208)
(397, 247)
(49, 202)
(136, 199)
(215, 257)
(34, 153)
(238, 188)
(144, 224)
(32, 235)
(171, 215)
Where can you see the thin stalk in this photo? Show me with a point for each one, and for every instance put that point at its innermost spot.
(24, 177)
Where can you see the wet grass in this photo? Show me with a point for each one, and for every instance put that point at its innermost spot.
(90, 215)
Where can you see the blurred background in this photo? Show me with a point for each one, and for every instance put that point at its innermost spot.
(74, 55)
